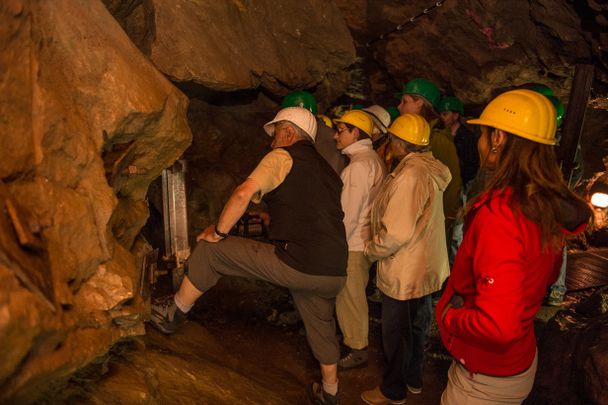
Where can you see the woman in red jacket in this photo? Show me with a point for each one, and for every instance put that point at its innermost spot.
(510, 254)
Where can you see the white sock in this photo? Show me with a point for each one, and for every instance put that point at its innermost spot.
(331, 389)
(182, 307)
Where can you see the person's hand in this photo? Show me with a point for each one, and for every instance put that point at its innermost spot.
(457, 301)
(209, 235)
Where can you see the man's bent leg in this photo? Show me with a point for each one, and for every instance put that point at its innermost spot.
(187, 294)
(246, 258)
(207, 264)
(318, 316)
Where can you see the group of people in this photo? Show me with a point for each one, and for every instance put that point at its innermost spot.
(371, 190)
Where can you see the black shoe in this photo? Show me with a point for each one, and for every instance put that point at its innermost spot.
(166, 316)
(319, 397)
(355, 358)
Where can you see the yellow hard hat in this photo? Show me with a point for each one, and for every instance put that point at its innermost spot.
(412, 128)
(326, 120)
(524, 113)
(358, 119)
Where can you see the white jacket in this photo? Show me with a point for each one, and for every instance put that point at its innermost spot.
(362, 179)
(409, 229)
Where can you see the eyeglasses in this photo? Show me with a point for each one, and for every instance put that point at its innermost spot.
(340, 130)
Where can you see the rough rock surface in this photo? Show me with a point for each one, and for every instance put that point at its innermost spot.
(87, 123)
(471, 47)
(236, 45)
(230, 142)
(573, 356)
(236, 60)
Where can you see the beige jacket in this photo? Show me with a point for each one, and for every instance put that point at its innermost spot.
(408, 233)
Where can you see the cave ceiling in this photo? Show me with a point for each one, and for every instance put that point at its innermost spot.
(474, 47)
(471, 48)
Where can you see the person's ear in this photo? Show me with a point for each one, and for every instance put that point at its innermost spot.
(497, 140)
(291, 133)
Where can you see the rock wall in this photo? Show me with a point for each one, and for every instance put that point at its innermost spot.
(89, 120)
(573, 355)
(87, 123)
(236, 60)
(473, 47)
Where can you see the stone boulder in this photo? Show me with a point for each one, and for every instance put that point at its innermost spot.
(237, 45)
(573, 355)
(236, 60)
(474, 47)
(87, 122)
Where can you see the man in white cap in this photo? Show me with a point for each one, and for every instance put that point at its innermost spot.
(308, 251)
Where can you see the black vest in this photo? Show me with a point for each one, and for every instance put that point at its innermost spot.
(306, 215)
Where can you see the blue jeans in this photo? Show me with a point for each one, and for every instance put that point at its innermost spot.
(405, 326)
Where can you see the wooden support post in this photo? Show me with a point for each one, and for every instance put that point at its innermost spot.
(575, 117)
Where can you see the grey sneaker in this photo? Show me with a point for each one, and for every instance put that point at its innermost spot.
(355, 358)
(414, 390)
(166, 316)
(319, 397)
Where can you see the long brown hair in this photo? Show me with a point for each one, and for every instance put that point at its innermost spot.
(531, 170)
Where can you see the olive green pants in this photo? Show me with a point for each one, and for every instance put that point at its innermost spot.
(351, 302)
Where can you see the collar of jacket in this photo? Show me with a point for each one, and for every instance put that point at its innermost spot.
(406, 158)
(358, 147)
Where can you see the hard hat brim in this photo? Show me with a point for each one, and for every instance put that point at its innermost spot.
(511, 130)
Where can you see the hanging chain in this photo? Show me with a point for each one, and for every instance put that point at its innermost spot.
(408, 22)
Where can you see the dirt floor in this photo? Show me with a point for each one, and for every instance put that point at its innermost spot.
(269, 344)
(243, 343)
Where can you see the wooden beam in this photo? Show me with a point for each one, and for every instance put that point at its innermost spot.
(575, 117)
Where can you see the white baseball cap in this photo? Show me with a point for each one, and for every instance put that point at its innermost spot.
(381, 117)
(300, 117)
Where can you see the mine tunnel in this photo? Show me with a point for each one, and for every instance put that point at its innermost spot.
(138, 262)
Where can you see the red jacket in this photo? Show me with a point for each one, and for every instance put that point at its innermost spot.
(502, 272)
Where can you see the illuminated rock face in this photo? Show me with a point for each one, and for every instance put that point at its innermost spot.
(89, 119)
(236, 60)
(80, 106)
(241, 45)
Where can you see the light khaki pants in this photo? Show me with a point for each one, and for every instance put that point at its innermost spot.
(479, 389)
(351, 302)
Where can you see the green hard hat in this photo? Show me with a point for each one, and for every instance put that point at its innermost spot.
(423, 88)
(559, 108)
(393, 112)
(450, 103)
(548, 92)
(542, 89)
(300, 98)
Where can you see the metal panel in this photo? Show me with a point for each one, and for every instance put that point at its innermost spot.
(175, 218)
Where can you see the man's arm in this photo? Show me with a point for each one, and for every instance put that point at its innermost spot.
(233, 210)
